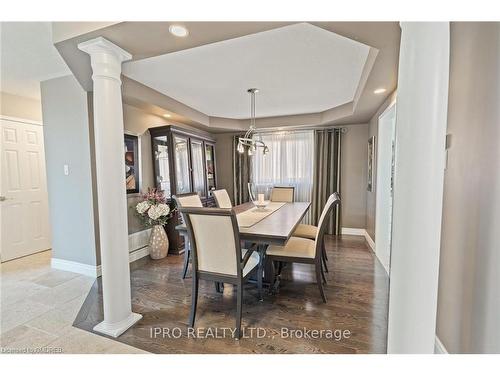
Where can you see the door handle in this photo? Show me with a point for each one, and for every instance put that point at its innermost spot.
(2, 198)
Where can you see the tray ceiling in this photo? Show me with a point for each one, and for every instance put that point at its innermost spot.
(299, 69)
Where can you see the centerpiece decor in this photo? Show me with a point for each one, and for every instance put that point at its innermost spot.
(259, 195)
(155, 213)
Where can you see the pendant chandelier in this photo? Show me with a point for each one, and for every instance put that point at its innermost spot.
(249, 141)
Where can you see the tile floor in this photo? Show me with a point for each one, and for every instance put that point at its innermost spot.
(38, 305)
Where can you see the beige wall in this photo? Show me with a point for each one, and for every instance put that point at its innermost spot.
(354, 165)
(468, 318)
(371, 195)
(20, 107)
(353, 176)
(68, 140)
(137, 122)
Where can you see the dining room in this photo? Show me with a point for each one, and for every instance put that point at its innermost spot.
(248, 187)
(248, 233)
(226, 208)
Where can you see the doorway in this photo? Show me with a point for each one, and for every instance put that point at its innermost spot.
(23, 196)
(385, 177)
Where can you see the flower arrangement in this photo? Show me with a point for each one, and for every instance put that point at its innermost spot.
(154, 209)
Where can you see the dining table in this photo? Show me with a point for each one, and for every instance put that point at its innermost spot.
(275, 228)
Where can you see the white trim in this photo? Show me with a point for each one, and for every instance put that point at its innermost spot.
(76, 267)
(138, 248)
(353, 231)
(22, 120)
(388, 108)
(138, 254)
(439, 348)
(360, 232)
(370, 241)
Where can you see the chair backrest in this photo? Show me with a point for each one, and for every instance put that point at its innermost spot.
(222, 198)
(323, 220)
(187, 200)
(283, 194)
(215, 240)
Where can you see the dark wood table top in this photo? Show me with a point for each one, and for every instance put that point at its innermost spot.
(276, 228)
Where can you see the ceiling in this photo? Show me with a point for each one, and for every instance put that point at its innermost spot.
(28, 57)
(299, 69)
(200, 95)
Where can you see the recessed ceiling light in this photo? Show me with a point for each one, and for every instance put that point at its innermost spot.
(178, 30)
(167, 115)
(379, 91)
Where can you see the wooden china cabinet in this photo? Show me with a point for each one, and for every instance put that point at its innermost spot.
(184, 162)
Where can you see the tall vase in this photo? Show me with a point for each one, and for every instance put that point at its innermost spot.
(158, 243)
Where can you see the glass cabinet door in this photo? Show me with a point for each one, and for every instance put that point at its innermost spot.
(197, 166)
(162, 166)
(210, 165)
(182, 171)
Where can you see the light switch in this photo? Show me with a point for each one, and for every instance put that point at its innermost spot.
(66, 169)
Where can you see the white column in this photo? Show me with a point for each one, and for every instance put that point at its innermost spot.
(421, 121)
(106, 59)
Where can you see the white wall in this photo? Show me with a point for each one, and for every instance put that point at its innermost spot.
(418, 186)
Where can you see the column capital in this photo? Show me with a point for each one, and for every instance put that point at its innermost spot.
(101, 45)
(105, 57)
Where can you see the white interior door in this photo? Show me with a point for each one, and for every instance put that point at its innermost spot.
(23, 196)
(385, 173)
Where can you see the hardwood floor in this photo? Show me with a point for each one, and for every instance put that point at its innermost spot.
(357, 293)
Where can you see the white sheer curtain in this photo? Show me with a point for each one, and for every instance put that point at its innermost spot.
(288, 163)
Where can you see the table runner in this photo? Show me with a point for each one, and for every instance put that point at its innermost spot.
(254, 215)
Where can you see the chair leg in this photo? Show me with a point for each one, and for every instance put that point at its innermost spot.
(239, 303)
(260, 270)
(323, 260)
(194, 300)
(323, 274)
(324, 251)
(272, 284)
(187, 254)
(318, 280)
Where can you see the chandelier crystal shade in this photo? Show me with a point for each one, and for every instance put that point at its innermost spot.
(250, 141)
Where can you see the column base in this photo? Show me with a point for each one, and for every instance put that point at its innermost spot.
(116, 329)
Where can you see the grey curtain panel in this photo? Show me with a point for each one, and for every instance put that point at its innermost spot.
(326, 176)
(242, 170)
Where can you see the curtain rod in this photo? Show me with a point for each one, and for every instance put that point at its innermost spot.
(342, 129)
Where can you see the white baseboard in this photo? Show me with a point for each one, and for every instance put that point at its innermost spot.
(360, 232)
(138, 248)
(439, 348)
(353, 231)
(138, 254)
(370, 241)
(76, 267)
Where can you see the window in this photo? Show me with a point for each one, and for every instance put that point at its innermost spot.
(288, 163)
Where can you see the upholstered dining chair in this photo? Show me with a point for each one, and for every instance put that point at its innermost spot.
(222, 198)
(217, 254)
(283, 194)
(310, 232)
(187, 200)
(304, 250)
